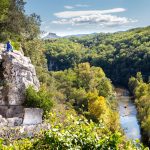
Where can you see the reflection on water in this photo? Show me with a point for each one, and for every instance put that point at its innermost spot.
(127, 111)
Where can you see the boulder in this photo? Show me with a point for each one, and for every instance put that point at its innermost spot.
(2, 48)
(32, 116)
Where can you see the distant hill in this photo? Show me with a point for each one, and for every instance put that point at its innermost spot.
(79, 35)
(48, 35)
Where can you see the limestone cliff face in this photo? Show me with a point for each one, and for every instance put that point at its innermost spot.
(18, 74)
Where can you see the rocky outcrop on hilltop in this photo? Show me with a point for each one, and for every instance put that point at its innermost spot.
(16, 74)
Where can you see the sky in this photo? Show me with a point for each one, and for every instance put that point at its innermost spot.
(69, 17)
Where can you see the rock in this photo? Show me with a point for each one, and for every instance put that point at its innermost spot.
(19, 74)
(19, 132)
(2, 47)
(15, 121)
(31, 130)
(3, 121)
(12, 111)
(32, 116)
(15, 111)
(3, 111)
(1, 88)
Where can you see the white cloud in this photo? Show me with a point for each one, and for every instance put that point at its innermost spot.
(108, 20)
(81, 5)
(70, 14)
(92, 17)
(68, 7)
(77, 5)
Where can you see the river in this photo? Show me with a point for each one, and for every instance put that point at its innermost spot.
(128, 114)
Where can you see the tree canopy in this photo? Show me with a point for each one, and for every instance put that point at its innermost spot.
(121, 54)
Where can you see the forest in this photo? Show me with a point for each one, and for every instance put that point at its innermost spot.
(78, 78)
(128, 52)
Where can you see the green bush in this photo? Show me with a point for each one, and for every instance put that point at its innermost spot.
(16, 45)
(41, 99)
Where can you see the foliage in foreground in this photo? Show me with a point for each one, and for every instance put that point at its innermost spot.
(74, 134)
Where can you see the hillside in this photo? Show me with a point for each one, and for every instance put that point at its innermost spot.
(70, 83)
(121, 54)
(46, 36)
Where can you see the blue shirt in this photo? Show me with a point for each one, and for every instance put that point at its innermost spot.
(9, 46)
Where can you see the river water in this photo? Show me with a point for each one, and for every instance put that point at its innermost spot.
(128, 115)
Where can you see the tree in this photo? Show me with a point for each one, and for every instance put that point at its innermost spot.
(35, 50)
(97, 105)
(84, 75)
(32, 26)
(141, 91)
(4, 5)
(63, 54)
(15, 24)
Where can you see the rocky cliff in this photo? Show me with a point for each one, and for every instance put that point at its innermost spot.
(16, 74)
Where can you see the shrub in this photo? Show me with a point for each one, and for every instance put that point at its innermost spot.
(16, 45)
(79, 134)
(41, 99)
(75, 134)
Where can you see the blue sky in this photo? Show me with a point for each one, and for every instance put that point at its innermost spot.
(67, 17)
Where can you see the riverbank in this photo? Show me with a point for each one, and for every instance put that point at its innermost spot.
(128, 114)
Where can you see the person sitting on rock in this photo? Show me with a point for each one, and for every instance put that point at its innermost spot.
(9, 47)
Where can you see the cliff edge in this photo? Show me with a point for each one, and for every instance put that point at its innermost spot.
(16, 74)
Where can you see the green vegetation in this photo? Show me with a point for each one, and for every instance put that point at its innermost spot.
(14, 24)
(89, 91)
(63, 54)
(76, 81)
(4, 5)
(74, 133)
(141, 92)
(121, 55)
(40, 99)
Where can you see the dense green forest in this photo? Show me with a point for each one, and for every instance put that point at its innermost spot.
(76, 94)
(121, 54)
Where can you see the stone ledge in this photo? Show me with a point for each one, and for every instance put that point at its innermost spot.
(11, 111)
(23, 131)
(32, 116)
